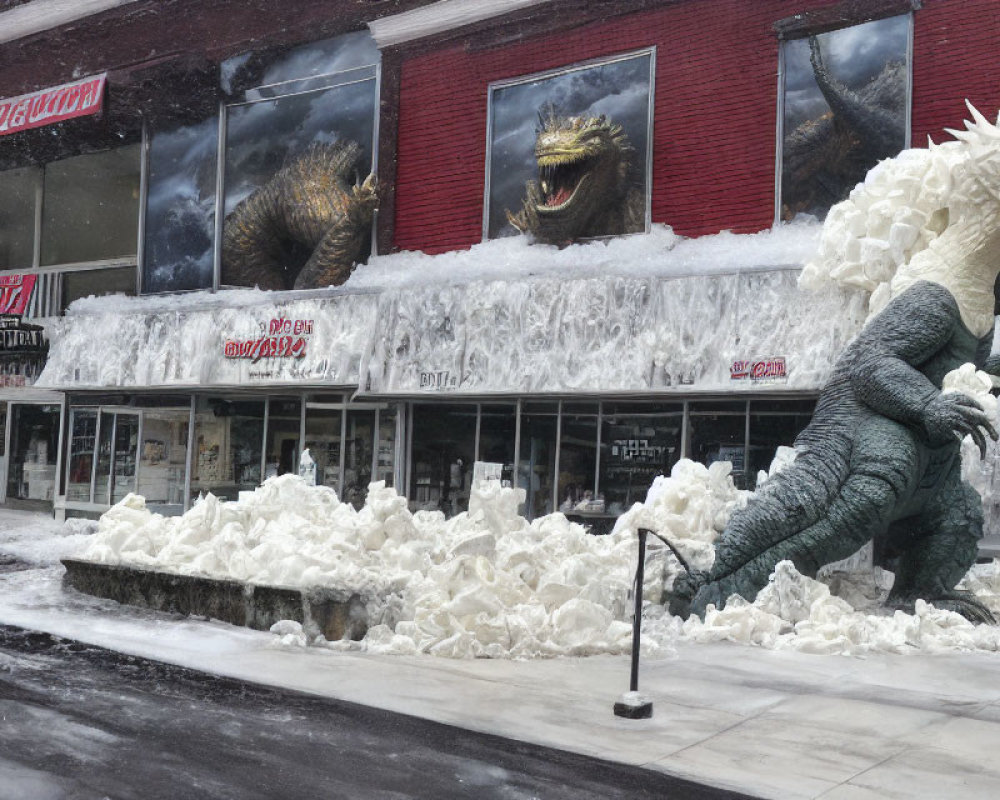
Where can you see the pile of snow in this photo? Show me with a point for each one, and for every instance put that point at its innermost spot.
(487, 583)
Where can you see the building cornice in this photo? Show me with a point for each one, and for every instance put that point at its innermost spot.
(441, 17)
(42, 15)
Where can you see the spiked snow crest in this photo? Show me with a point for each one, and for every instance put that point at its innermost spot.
(904, 204)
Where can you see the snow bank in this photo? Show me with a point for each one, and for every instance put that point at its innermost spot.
(487, 583)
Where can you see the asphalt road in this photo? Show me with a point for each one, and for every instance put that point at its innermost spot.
(81, 722)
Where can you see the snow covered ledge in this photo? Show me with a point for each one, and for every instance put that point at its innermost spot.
(643, 313)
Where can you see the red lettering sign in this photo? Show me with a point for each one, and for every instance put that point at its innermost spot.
(44, 107)
(15, 291)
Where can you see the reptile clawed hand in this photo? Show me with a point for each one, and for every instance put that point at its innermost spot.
(957, 414)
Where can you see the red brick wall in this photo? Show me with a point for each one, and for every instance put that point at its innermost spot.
(715, 105)
(713, 132)
(955, 57)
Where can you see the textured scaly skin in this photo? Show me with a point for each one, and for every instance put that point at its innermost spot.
(306, 227)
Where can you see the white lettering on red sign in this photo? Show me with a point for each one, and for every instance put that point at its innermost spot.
(15, 291)
(772, 368)
(44, 107)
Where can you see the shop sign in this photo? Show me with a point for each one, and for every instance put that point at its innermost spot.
(47, 106)
(280, 338)
(442, 379)
(771, 369)
(15, 291)
(23, 350)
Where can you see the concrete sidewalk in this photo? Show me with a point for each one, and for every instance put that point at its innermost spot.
(773, 724)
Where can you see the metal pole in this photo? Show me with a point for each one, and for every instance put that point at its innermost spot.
(634, 706)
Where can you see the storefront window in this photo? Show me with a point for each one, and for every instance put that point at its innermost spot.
(718, 433)
(227, 446)
(620, 91)
(578, 459)
(444, 446)
(314, 98)
(844, 102)
(34, 436)
(774, 424)
(323, 441)
(537, 459)
(180, 209)
(163, 457)
(82, 443)
(18, 189)
(91, 208)
(83, 283)
(284, 420)
(385, 465)
(358, 456)
(497, 434)
(638, 442)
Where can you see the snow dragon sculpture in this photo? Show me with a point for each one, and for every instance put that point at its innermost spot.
(585, 183)
(306, 227)
(880, 459)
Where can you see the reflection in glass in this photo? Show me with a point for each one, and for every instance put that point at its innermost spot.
(180, 208)
(17, 217)
(385, 466)
(618, 89)
(845, 98)
(163, 457)
(720, 437)
(228, 436)
(264, 136)
(97, 282)
(444, 444)
(497, 432)
(323, 441)
(358, 456)
(83, 440)
(31, 469)
(91, 208)
(773, 425)
(577, 462)
(126, 442)
(637, 444)
(284, 418)
(537, 460)
(102, 479)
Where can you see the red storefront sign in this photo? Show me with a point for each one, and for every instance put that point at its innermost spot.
(44, 107)
(15, 291)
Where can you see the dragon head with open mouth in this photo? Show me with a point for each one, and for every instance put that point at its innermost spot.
(585, 185)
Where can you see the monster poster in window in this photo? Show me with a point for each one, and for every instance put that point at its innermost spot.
(568, 152)
(299, 192)
(845, 102)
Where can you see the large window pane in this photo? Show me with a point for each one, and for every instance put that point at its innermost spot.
(308, 103)
(284, 420)
(845, 100)
(126, 445)
(180, 208)
(91, 208)
(637, 444)
(497, 434)
(537, 459)
(358, 456)
(720, 436)
(323, 441)
(577, 460)
(32, 459)
(82, 444)
(619, 90)
(444, 445)
(227, 446)
(17, 217)
(163, 457)
(385, 466)
(97, 282)
(772, 425)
